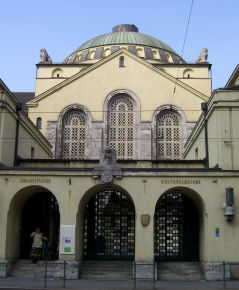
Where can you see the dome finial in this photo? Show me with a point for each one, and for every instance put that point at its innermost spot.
(125, 27)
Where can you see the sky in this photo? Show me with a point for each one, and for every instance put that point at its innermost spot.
(61, 26)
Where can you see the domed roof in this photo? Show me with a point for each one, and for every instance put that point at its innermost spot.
(125, 37)
(124, 34)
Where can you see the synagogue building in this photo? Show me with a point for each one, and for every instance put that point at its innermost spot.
(122, 153)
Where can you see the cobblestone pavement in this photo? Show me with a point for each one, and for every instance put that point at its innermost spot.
(37, 283)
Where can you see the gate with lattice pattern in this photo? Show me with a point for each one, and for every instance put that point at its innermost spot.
(176, 228)
(109, 227)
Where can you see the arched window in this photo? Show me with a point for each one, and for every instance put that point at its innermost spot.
(188, 73)
(57, 73)
(122, 122)
(121, 61)
(107, 52)
(168, 136)
(140, 52)
(74, 131)
(39, 123)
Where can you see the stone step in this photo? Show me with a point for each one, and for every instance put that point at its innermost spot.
(180, 271)
(106, 277)
(107, 270)
(100, 272)
(25, 268)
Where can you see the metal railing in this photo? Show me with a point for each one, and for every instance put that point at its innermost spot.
(135, 265)
(55, 263)
(62, 274)
(224, 272)
(3, 268)
(223, 266)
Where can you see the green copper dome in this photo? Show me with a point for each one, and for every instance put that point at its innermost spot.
(125, 37)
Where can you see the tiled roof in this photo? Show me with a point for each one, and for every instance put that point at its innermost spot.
(24, 97)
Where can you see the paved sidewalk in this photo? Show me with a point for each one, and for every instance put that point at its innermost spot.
(38, 283)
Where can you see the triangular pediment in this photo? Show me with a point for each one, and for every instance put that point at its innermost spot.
(104, 61)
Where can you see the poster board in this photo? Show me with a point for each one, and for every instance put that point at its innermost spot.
(67, 240)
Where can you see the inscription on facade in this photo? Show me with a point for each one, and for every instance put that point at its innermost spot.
(33, 180)
(181, 181)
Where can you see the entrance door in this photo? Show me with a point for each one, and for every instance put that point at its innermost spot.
(42, 211)
(176, 229)
(109, 227)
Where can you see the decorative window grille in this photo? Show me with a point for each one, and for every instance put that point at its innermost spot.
(168, 136)
(74, 131)
(121, 122)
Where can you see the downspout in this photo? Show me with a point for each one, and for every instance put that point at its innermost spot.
(204, 109)
(18, 109)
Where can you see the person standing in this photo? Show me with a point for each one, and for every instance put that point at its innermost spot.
(37, 245)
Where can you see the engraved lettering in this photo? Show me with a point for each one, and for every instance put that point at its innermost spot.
(30, 180)
(180, 181)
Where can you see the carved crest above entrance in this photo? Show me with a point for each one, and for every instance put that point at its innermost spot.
(107, 168)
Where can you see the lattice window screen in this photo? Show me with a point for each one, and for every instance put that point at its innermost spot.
(168, 136)
(74, 130)
(121, 122)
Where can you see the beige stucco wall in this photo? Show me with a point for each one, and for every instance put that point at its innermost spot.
(144, 189)
(153, 88)
(31, 139)
(7, 130)
(199, 74)
(46, 77)
(237, 81)
(29, 135)
(222, 120)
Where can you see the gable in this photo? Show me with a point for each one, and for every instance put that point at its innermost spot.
(90, 88)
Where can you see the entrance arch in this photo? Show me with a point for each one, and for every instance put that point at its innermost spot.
(40, 210)
(176, 228)
(109, 223)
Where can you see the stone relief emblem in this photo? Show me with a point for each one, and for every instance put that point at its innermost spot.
(107, 177)
(107, 168)
(145, 219)
(45, 58)
(202, 56)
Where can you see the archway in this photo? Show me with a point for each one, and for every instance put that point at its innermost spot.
(109, 224)
(176, 228)
(40, 210)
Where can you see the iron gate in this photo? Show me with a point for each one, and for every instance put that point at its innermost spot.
(41, 210)
(176, 228)
(109, 227)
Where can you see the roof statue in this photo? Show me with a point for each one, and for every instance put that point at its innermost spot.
(202, 56)
(45, 58)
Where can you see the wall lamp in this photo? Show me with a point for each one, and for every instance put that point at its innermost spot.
(227, 142)
(229, 209)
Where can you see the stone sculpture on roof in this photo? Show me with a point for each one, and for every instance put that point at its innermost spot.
(202, 56)
(45, 58)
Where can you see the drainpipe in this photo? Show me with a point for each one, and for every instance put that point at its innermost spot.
(18, 109)
(204, 109)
